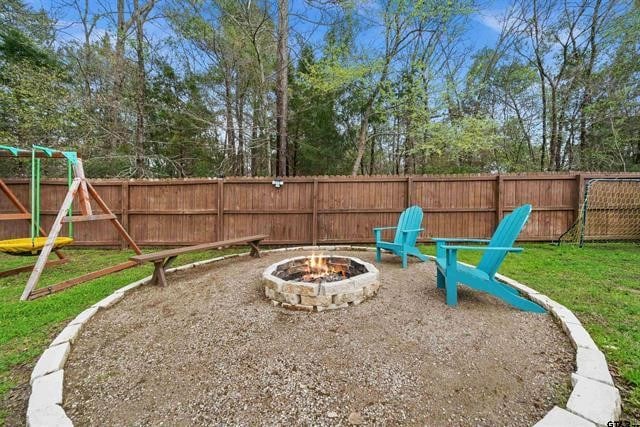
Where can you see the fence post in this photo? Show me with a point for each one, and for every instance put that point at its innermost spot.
(314, 219)
(499, 204)
(220, 210)
(409, 191)
(124, 208)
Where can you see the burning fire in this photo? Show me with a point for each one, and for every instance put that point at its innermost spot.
(318, 267)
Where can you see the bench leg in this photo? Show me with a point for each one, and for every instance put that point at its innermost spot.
(255, 250)
(159, 278)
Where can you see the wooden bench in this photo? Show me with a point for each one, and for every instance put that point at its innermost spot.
(163, 259)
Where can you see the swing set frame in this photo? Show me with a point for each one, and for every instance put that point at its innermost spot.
(80, 188)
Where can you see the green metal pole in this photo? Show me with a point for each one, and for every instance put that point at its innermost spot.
(69, 181)
(37, 228)
(33, 194)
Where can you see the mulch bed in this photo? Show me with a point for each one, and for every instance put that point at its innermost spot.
(210, 349)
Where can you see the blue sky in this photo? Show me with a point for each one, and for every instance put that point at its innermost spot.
(482, 30)
(485, 27)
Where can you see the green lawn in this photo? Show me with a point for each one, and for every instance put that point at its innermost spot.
(600, 283)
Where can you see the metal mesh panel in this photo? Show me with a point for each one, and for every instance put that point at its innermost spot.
(610, 212)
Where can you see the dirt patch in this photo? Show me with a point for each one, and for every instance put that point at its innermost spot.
(14, 403)
(210, 349)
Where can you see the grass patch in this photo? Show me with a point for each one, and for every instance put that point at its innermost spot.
(27, 328)
(600, 283)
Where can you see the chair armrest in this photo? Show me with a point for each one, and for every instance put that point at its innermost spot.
(482, 248)
(405, 234)
(377, 232)
(442, 241)
(459, 239)
(412, 231)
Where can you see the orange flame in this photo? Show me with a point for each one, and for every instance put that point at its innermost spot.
(317, 266)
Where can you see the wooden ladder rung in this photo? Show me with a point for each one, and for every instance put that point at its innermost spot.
(85, 218)
(14, 216)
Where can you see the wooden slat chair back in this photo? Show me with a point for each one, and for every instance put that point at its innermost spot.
(404, 243)
(410, 219)
(482, 277)
(505, 236)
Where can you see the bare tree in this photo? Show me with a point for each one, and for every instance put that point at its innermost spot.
(282, 69)
(403, 23)
(140, 15)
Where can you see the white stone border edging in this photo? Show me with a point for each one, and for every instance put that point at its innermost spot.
(594, 399)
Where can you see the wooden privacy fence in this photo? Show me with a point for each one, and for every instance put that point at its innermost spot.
(313, 210)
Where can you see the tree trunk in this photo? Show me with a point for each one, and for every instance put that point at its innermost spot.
(557, 120)
(409, 144)
(523, 128)
(554, 141)
(240, 157)
(586, 97)
(254, 136)
(86, 56)
(364, 124)
(282, 85)
(114, 139)
(395, 150)
(543, 92)
(230, 136)
(362, 141)
(140, 92)
(372, 154)
(567, 158)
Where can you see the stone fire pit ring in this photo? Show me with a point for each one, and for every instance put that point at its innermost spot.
(309, 296)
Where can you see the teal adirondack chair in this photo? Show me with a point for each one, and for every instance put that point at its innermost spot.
(407, 232)
(482, 277)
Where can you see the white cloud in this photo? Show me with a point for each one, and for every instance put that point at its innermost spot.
(491, 20)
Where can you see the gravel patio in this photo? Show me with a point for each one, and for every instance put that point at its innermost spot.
(211, 349)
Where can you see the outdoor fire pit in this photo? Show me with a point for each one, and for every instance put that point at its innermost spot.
(319, 282)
